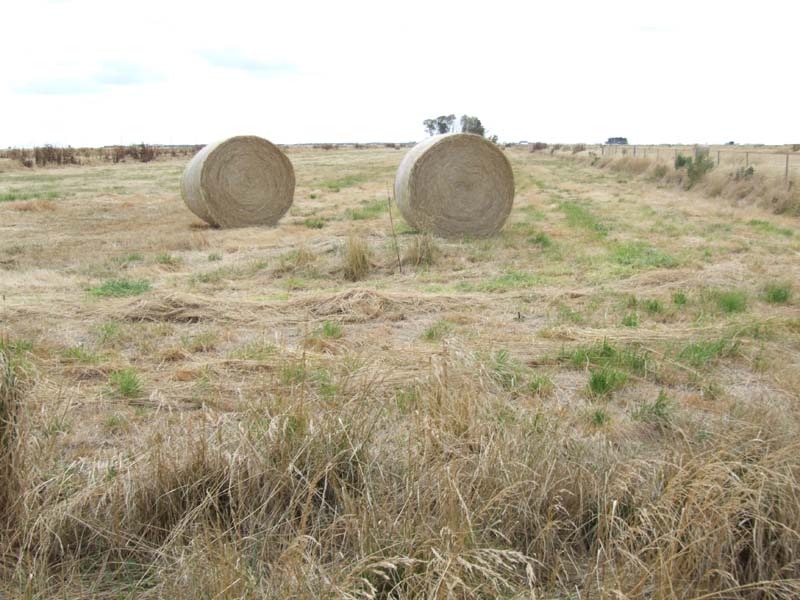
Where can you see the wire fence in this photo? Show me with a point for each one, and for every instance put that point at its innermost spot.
(786, 163)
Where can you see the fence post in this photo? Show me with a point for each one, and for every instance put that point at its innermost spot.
(717, 157)
(786, 171)
(634, 150)
(602, 150)
(746, 159)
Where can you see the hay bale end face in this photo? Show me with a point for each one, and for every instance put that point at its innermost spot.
(238, 182)
(455, 184)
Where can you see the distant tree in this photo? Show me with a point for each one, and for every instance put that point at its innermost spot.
(617, 140)
(472, 125)
(441, 124)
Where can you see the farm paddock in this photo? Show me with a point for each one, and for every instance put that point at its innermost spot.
(600, 401)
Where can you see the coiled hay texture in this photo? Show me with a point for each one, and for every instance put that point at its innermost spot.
(240, 181)
(455, 184)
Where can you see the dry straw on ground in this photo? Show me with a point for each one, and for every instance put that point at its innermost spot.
(455, 184)
(238, 182)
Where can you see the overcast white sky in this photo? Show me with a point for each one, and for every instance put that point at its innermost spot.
(85, 72)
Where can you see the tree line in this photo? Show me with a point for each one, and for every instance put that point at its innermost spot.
(447, 124)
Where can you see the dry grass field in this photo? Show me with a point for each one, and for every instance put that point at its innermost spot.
(599, 402)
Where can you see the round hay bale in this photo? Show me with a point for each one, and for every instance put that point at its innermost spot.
(455, 184)
(243, 180)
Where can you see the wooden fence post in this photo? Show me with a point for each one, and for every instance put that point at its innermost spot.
(786, 170)
(717, 157)
(746, 159)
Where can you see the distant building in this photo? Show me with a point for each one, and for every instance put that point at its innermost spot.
(617, 140)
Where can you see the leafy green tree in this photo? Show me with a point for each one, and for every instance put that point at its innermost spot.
(441, 124)
(472, 125)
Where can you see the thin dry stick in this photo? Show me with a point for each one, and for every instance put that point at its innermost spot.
(389, 200)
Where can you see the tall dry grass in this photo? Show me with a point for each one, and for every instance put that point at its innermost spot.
(450, 489)
(738, 185)
(10, 443)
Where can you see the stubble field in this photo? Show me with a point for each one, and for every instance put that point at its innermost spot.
(601, 401)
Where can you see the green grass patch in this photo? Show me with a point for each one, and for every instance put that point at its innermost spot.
(13, 195)
(778, 293)
(168, 259)
(314, 222)
(512, 280)
(540, 239)
(202, 342)
(437, 331)
(128, 259)
(639, 255)
(569, 315)
(729, 301)
(324, 382)
(225, 273)
(598, 417)
(125, 383)
(79, 355)
(108, 333)
(293, 373)
(329, 330)
(336, 185)
(768, 227)
(653, 306)
(259, 351)
(580, 216)
(631, 320)
(604, 355)
(604, 382)
(541, 385)
(120, 287)
(658, 412)
(679, 299)
(368, 210)
(215, 257)
(703, 353)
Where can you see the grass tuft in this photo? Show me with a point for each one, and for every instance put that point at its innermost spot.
(631, 320)
(437, 331)
(422, 251)
(506, 370)
(314, 222)
(330, 330)
(356, 259)
(541, 385)
(778, 293)
(730, 301)
(605, 381)
(658, 412)
(125, 383)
